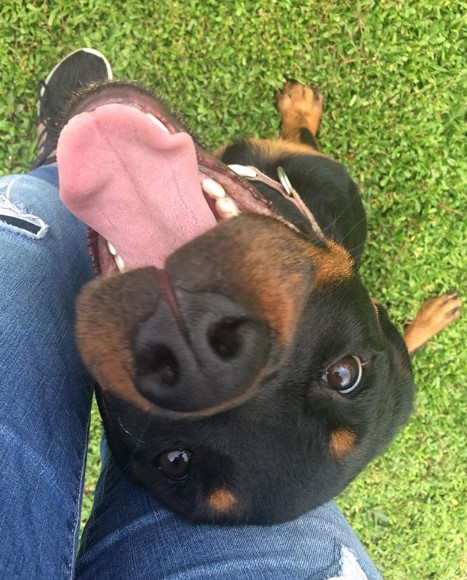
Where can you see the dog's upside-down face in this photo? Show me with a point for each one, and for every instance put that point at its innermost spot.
(244, 373)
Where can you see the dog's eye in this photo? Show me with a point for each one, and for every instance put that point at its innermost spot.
(174, 463)
(345, 374)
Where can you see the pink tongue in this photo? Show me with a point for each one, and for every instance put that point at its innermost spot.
(133, 183)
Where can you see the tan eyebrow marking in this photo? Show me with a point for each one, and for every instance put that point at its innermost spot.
(222, 501)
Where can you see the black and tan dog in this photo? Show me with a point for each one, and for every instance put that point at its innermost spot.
(244, 374)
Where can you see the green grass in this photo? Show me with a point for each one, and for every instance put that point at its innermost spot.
(394, 80)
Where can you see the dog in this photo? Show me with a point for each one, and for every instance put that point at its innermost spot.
(244, 374)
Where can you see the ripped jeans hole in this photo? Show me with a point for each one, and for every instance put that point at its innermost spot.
(19, 220)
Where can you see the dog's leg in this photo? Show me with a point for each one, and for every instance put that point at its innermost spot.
(300, 108)
(434, 315)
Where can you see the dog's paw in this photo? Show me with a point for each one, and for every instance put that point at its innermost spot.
(298, 98)
(434, 315)
(300, 107)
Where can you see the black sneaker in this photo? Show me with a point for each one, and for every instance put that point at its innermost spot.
(76, 71)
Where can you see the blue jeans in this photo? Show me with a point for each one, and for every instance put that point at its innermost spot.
(45, 399)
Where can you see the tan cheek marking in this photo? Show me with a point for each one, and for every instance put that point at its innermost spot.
(342, 442)
(332, 265)
(222, 501)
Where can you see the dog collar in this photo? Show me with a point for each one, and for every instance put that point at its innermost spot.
(283, 186)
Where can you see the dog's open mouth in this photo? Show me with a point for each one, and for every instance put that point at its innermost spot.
(202, 296)
(132, 172)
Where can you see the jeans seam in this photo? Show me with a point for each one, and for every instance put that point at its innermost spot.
(77, 502)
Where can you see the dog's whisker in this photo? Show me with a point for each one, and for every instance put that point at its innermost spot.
(353, 228)
(137, 439)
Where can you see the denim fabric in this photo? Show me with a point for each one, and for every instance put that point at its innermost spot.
(45, 397)
(45, 394)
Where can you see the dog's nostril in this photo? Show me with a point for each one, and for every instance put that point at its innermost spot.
(160, 362)
(225, 337)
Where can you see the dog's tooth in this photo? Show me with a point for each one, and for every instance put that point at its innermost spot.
(112, 250)
(120, 263)
(226, 208)
(156, 121)
(213, 189)
(243, 170)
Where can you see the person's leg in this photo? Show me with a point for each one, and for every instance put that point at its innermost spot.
(45, 393)
(130, 535)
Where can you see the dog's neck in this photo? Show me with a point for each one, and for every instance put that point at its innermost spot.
(283, 186)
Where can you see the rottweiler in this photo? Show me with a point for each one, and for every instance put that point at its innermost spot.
(244, 374)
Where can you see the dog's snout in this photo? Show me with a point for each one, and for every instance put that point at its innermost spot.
(210, 351)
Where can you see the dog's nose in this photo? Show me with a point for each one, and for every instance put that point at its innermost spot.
(198, 353)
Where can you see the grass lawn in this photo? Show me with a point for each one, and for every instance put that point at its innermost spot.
(394, 78)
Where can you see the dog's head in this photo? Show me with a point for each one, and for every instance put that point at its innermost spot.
(244, 373)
